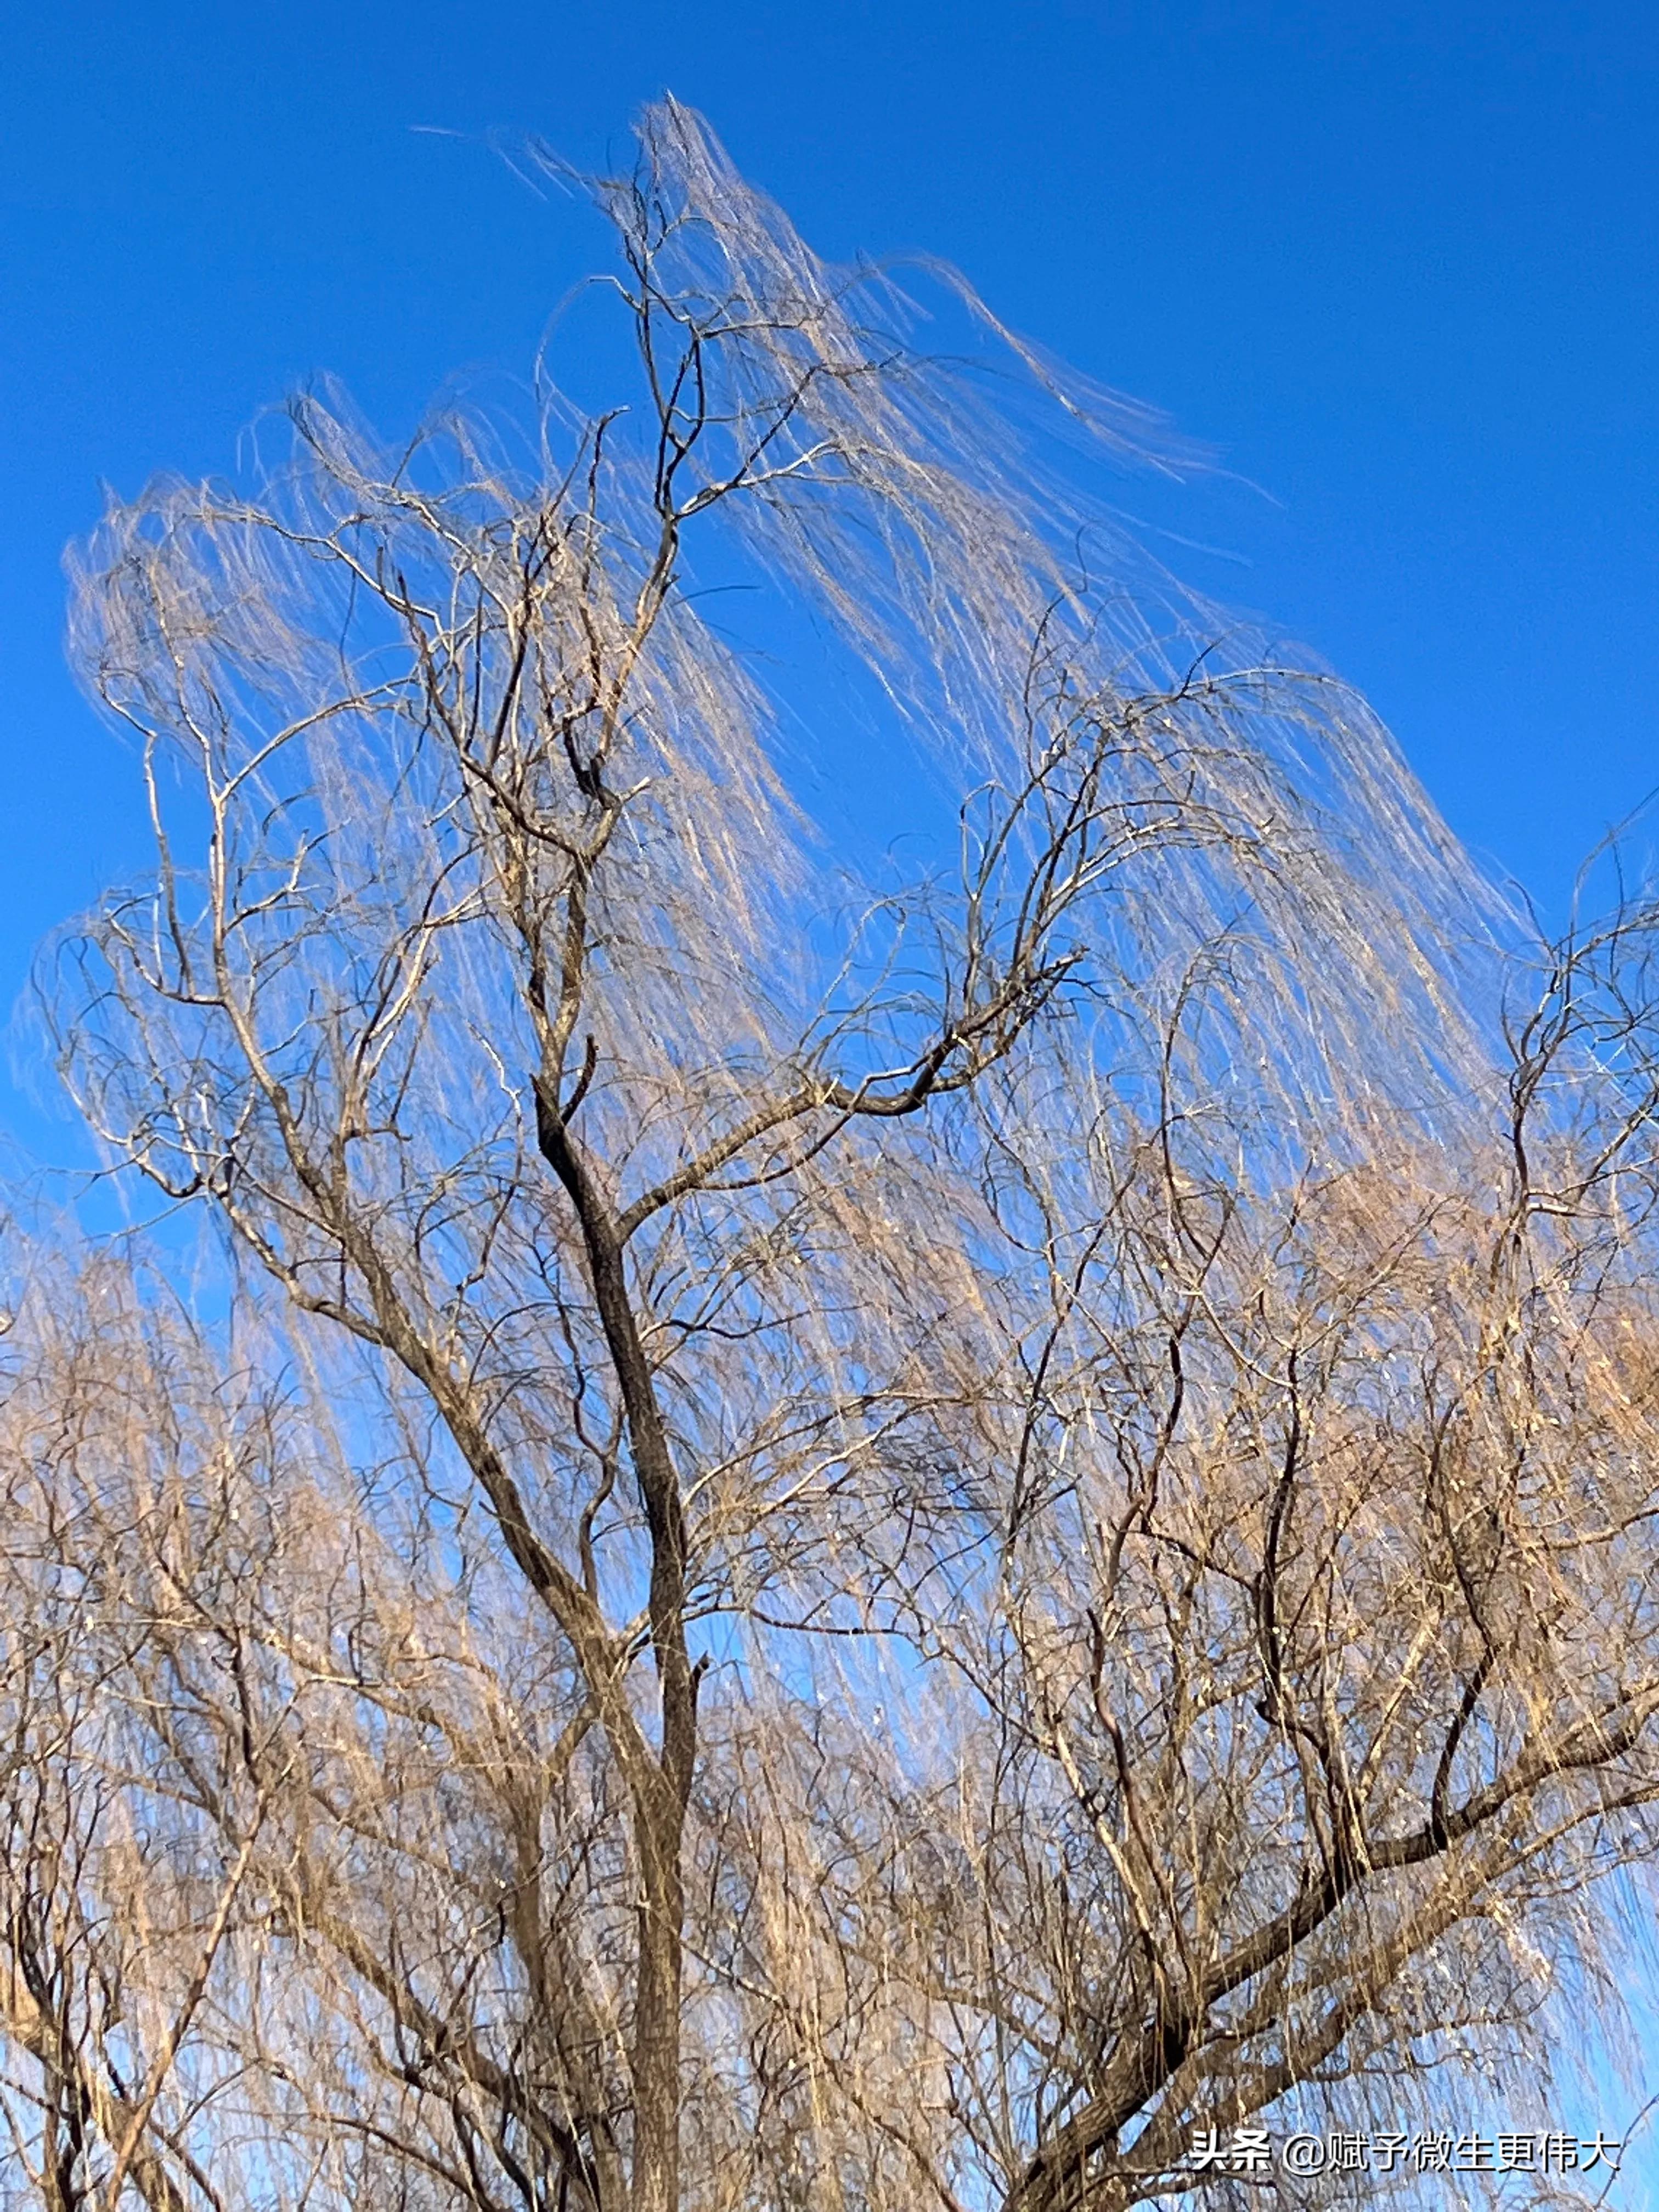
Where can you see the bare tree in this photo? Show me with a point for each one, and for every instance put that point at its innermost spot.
(925, 1536)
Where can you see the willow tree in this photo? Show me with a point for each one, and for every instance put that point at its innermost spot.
(974, 1524)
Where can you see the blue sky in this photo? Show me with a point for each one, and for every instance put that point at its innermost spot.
(1399, 264)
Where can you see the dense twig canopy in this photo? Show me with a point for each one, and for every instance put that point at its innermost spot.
(913, 1538)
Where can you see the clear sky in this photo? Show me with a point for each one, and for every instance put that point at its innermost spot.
(1397, 262)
